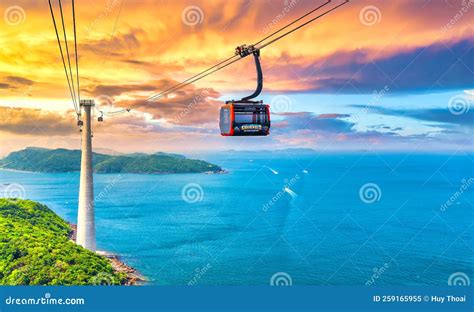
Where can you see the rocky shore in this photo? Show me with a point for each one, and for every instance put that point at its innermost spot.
(133, 277)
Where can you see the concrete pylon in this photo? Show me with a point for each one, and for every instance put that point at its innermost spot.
(85, 216)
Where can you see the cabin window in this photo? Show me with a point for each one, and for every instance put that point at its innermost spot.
(225, 120)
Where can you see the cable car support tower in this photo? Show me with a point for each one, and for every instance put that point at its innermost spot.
(85, 215)
(83, 109)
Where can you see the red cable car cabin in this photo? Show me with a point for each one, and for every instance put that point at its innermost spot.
(245, 118)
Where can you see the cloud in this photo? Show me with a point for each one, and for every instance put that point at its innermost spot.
(338, 132)
(385, 127)
(439, 115)
(14, 82)
(19, 80)
(324, 123)
(117, 45)
(116, 90)
(411, 69)
(35, 122)
(190, 106)
(332, 116)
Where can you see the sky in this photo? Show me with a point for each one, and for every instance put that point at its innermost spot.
(372, 75)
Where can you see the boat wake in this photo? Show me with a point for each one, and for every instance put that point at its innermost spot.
(272, 170)
(290, 191)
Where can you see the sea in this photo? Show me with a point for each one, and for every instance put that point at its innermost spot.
(281, 217)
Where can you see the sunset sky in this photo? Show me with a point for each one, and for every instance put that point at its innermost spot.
(373, 75)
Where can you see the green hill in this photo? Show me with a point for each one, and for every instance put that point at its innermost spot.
(35, 249)
(63, 160)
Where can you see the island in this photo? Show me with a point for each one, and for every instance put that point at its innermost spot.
(36, 248)
(63, 160)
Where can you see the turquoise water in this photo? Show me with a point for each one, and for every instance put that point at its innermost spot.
(245, 226)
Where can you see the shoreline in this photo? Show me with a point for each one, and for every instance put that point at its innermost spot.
(133, 277)
(223, 171)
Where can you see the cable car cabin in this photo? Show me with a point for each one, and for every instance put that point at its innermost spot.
(245, 118)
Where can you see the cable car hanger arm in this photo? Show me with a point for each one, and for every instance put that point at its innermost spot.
(244, 51)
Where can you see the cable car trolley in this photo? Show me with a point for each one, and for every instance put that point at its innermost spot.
(246, 117)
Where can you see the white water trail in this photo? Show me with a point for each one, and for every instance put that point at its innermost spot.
(272, 170)
(290, 191)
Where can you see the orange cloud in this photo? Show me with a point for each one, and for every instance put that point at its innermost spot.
(130, 50)
(35, 122)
